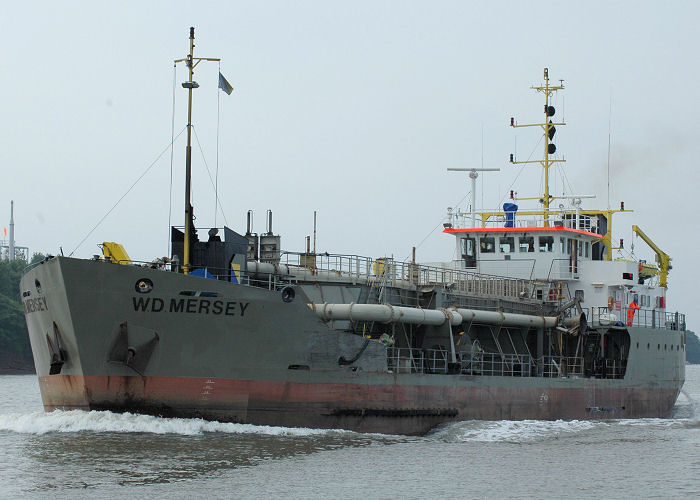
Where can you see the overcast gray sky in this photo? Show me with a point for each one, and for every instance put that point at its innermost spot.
(354, 109)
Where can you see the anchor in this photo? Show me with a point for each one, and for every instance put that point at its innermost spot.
(135, 357)
(56, 350)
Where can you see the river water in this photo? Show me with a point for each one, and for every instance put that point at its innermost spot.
(77, 454)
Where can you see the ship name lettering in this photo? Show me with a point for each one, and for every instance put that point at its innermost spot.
(218, 307)
(190, 306)
(34, 305)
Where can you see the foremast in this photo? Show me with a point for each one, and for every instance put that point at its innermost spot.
(191, 62)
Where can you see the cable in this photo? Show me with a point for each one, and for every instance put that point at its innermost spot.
(216, 195)
(438, 225)
(521, 170)
(127, 192)
(172, 152)
(216, 186)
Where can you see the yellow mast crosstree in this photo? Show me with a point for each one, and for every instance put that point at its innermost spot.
(549, 129)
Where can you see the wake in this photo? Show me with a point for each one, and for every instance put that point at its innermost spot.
(107, 421)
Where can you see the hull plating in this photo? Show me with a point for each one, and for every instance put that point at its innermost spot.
(398, 409)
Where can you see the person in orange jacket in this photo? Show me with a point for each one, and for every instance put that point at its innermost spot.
(631, 310)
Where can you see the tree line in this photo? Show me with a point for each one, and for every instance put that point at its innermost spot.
(15, 351)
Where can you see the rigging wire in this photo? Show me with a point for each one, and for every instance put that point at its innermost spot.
(128, 191)
(482, 193)
(609, 135)
(216, 183)
(172, 152)
(566, 178)
(218, 201)
(521, 171)
(438, 225)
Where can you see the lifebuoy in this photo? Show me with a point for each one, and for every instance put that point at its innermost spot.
(640, 267)
(552, 294)
(611, 302)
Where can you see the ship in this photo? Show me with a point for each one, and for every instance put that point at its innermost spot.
(536, 318)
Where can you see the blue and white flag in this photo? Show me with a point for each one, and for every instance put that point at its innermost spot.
(224, 85)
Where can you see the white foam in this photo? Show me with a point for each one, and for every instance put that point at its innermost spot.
(107, 421)
(512, 430)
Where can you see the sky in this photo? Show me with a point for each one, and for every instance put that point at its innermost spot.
(353, 109)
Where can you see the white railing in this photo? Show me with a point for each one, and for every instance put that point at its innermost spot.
(394, 273)
(565, 218)
(496, 364)
(408, 360)
(648, 318)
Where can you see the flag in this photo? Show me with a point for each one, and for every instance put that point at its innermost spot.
(224, 85)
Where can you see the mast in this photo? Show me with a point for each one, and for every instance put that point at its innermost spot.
(549, 130)
(12, 230)
(473, 175)
(190, 85)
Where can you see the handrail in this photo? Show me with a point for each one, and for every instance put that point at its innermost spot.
(646, 318)
(394, 273)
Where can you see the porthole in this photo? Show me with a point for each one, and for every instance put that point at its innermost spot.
(637, 345)
(648, 346)
(658, 347)
(664, 347)
(144, 285)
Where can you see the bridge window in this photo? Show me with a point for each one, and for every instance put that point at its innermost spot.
(546, 243)
(487, 244)
(526, 244)
(562, 245)
(568, 246)
(587, 247)
(469, 252)
(580, 248)
(506, 244)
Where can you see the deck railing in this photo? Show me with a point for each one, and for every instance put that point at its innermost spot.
(394, 273)
(496, 364)
(409, 360)
(648, 318)
(496, 218)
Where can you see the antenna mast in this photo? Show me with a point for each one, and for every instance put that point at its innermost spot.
(190, 61)
(12, 231)
(549, 130)
(473, 174)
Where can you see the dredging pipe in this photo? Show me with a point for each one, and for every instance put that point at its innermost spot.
(507, 319)
(385, 313)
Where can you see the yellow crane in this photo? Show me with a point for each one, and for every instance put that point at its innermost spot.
(662, 258)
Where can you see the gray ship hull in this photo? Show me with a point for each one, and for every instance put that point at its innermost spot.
(196, 347)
